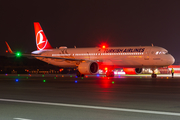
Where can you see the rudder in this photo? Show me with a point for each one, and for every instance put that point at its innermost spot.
(41, 40)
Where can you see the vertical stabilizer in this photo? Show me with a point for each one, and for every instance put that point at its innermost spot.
(41, 40)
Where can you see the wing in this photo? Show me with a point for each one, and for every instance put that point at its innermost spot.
(34, 55)
(62, 58)
(9, 49)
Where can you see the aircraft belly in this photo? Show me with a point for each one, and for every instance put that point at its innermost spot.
(60, 63)
(127, 61)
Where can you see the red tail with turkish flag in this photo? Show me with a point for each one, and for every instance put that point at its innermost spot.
(41, 40)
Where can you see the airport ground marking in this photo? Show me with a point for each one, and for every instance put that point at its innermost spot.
(21, 119)
(92, 107)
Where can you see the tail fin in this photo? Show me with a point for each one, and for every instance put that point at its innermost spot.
(9, 49)
(41, 40)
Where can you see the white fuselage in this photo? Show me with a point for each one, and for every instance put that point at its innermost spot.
(136, 56)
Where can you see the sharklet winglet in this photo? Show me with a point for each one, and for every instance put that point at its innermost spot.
(9, 49)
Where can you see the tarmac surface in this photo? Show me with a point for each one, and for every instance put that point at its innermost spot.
(65, 97)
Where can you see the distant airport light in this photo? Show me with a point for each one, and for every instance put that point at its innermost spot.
(103, 46)
(44, 80)
(75, 81)
(112, 82)
(17, 80)
(6, 51)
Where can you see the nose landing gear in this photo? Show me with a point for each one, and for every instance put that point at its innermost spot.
(153, 75)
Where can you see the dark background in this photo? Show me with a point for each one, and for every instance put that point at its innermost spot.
(87, 23)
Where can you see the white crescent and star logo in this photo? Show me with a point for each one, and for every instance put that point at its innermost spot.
(41, 40)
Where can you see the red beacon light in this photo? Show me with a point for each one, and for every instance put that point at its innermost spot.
(103, 46)
(105, 68)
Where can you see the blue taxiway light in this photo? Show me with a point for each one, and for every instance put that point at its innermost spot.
(75, 81)
(17, 80)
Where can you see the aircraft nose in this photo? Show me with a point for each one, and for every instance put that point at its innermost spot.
(171, 59)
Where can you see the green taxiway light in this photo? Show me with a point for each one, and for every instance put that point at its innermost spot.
(112, 82)
(44, 80)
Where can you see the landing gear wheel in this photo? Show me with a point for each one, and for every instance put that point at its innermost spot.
(110, 74)
(79, 74)
(153, 75)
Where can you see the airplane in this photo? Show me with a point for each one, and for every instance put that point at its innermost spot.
(90, 60)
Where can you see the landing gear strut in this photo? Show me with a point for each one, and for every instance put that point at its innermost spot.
(79, 74)
(153, 75)
(109, 74)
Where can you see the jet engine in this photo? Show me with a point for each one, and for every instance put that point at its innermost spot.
(88, 68)
(132, 70)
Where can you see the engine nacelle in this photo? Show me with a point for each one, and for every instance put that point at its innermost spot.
(88, 68)
(132, 70)
(138, 70)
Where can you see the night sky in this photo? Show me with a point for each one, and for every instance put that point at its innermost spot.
(87, 23)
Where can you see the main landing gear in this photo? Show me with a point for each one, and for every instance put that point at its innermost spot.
(109, 74)
(79, 74)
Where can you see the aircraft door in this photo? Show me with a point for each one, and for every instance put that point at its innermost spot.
(147, 53)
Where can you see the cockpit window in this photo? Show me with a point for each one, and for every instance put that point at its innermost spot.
(161, 52)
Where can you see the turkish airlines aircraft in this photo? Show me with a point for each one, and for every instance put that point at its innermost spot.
(90, 60)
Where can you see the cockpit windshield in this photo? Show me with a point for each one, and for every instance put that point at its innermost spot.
(161, 52)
